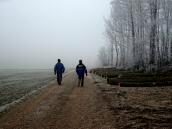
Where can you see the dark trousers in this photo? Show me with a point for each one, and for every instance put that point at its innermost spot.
(80, 81)
(59, 78)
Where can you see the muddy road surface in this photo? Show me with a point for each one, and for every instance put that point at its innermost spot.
(61, 107)
(94, 106)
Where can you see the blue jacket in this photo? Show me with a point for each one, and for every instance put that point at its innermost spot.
(81, 70)
(59, 68)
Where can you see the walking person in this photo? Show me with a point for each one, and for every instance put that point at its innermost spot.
(81, 70)
(59, 70)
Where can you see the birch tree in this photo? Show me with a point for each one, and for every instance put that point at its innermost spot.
(140, 33)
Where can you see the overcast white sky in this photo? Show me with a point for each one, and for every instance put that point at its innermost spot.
(35, 33)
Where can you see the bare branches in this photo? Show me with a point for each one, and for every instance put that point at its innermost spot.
(140, 32)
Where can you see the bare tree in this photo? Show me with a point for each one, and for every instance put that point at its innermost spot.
(103, 56)
(140, 33)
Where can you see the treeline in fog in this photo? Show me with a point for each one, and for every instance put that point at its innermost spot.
(139, 34)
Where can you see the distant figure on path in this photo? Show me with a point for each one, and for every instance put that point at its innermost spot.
(81, 70)
(59, 70)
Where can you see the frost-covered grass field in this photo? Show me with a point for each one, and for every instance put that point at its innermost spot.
(14, 84)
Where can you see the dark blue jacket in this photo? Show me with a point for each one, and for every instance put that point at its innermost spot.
(81, 70)
(59, 68)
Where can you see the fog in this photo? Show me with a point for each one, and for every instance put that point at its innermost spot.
(35, 33)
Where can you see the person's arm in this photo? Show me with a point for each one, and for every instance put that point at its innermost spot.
(76, 69)
(85, 71)
(55, 69)
(63, 69)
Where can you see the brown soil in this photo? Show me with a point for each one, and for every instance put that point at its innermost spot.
(61, 107)
(94, 106)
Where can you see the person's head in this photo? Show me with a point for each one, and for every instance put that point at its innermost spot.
(59, 60)
(80, 61)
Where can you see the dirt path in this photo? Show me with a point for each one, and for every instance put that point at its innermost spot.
(62, 107)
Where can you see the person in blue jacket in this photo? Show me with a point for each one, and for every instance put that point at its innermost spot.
(81, 70)
(59, 69)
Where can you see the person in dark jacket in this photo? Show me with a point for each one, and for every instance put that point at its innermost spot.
(81, 70)
(59, 70)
